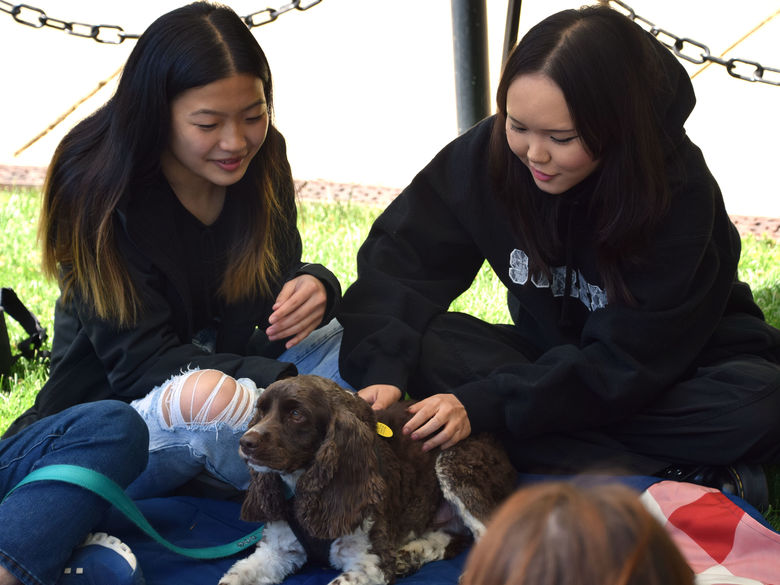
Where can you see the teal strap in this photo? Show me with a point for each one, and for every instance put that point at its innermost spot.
(110, 491)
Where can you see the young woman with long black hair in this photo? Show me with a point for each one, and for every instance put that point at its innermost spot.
(634, 344)
(169, 219)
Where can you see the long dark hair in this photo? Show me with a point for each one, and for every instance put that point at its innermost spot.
(608, 72)
(556, 533)
(121, 144)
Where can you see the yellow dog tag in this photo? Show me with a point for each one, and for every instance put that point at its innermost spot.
(383, 430)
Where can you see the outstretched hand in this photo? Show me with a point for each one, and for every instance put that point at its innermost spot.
(440, 412)
(298, 310)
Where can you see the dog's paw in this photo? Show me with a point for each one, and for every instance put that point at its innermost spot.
(233, 577)
(253, 571)
(343, 579)
(360, 578)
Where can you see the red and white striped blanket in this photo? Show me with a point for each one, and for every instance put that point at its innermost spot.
(722, 542)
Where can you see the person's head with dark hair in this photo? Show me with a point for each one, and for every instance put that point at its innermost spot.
(194, 103)
(560, 533)
(187, 48)
(586, 95)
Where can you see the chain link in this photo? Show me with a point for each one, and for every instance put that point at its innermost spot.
(699, 53)
(113, 34)
(685, 48)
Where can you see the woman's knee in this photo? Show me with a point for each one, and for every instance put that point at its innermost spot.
(119, 419)
(115, 435)
(206, 398)
(133, 426)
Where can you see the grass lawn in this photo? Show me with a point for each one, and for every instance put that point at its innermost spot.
(331, 233)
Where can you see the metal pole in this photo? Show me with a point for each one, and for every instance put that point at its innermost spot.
(470, 44)
(512, 27)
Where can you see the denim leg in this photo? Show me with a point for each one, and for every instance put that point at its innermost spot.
(319, 353)
(179, 451)
(43, 522)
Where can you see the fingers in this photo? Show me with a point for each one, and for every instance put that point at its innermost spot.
(298, 310)
(299, 327)
(300, 291)
(369, 394)
(380, 396)
(440, 419)
(442, 414)
(287, 290)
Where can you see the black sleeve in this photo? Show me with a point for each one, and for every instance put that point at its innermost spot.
(417, 258)
(138, 358)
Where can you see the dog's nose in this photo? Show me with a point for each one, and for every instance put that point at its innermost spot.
(249, 441)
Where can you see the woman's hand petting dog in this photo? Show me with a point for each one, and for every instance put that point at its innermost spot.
(333, 484)
(381, 396)
(442, 414)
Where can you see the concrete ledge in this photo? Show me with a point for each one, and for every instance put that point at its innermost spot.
(11, 176)
(345, 192)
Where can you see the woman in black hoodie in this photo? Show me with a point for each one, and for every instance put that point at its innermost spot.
(169, 219)
(634, 344)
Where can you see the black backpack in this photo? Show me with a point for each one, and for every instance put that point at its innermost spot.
(29, 348)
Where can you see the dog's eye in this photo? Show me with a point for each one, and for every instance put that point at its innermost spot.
(297, 416)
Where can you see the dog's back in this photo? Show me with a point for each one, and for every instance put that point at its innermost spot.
(474, 476)
(413, 494)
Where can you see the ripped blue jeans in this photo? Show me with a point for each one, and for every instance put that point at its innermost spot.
(187, 436)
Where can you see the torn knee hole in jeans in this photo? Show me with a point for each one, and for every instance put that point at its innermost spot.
(207, 398)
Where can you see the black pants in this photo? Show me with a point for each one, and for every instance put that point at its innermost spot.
(725, 413)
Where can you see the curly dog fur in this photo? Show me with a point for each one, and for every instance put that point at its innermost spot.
(378, 507)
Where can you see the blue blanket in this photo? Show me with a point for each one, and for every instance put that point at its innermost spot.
(198, 522)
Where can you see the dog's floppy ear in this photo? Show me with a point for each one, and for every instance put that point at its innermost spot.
(332, 496)
(264, 501)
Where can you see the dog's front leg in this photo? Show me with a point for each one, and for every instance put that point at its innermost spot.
(277, 555)
(432, 546)
(357, 557)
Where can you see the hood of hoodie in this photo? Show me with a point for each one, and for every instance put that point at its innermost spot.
(674, 99)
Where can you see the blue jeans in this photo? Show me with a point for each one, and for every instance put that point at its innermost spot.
(179, 452)
(42, 522)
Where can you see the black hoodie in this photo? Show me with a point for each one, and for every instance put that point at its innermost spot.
(184, 322)
(596, 362)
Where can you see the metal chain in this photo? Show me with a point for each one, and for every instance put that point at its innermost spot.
(699, 53)
(114, 35)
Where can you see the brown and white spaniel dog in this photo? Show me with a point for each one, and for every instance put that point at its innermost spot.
(331, 483)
